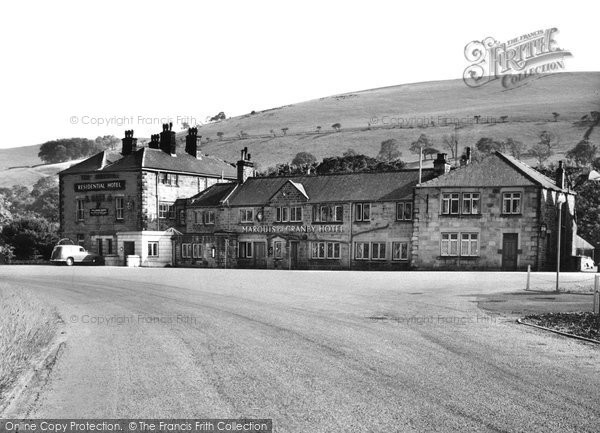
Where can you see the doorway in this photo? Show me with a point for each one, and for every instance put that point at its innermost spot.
(260, 258)
(510, 245)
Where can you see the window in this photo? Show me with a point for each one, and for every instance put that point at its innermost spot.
(197, 251)
(245, 250)
(209, 217)
(119, 208)
(404, 211)
(186, 251)
(278, 249)
(363, 211)
(109, 246)
(166, 210)
(399, 250)
(80, 209)
(511, 203)
(246, 215)
(470, 203)
(469, 244)
(449, 245)
(153, 249)
(325, 250)
(182, 217)
(362, 251)
(80, 239)
(169, 179)
(378, 251)
(295, 214)
(328, 213)
(450, 203)
(196, 217)
(282, 214)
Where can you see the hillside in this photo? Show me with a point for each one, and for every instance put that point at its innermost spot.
(27, 176)
(405, 109)
(402, 112)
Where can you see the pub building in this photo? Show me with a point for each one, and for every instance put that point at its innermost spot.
(494, 214)
(121, 204)
(335, 221)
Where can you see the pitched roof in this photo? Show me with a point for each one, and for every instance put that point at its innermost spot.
(496, 170)
(213, 195)
(156, 159)
(386, 186)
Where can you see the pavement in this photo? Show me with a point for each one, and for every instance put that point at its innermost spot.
(314, 351)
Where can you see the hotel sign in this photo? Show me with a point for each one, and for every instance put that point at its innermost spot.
(111, 185)
(325, 228)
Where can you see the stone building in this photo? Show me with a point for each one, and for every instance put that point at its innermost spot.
(497, 214)
(121, 204)
(338, 221)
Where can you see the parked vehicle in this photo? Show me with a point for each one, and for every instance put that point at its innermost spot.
(72, 254)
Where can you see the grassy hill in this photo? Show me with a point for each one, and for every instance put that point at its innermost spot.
(369, 117)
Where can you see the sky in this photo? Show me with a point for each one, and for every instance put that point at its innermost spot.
(83, 69)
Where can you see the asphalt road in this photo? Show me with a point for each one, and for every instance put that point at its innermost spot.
(315, 351)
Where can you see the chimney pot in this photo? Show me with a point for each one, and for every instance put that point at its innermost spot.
(560, 176)
(129, 143)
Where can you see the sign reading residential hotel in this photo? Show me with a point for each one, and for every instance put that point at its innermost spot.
(99, 211)
(294, 229)
(100, 186)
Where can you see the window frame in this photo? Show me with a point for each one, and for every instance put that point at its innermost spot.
(359, 212)
(511, 197)
(360, 246)
(450, 240)
(278, 249)
(80, 209)
(197, 251)
(153, 249)
(472, 237)
(401, 211)
(295, 214)
(245, 246)
(119, 208)
(400, 257)
(208, 217)
(377, 246)
(244, 212)
(473, 197)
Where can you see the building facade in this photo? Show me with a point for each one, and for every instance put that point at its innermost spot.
(121, 204)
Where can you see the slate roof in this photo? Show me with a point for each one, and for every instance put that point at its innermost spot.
(213, 195)
(387, 186)
(494, 171)
(156, 159)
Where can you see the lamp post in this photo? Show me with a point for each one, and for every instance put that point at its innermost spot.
(558, 244)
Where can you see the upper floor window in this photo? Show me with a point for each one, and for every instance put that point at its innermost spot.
(209, 217)
(450, 203)
(80, 209)
(166, 210)
(511, 203)
(119, 207)
(182, 217)
(328, 213)
(169, 179)
(295, 214)
(404, 211)
(282, 214)
(363, 211)
(246, 215)
(470, 203)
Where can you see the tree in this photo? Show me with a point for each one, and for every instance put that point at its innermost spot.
(422, 142)
(489, 145)
(30, 235)
(582, 154)
(220, 135)
(184, 126)
(304, 158)
(350, 152)
(318, 129)
(430, 151)
(450, 142)
(555, 115)
(355, 164)
(540, 152)
(503, 118)
(67, 149)
(337, 127)
(515, 147)
(390, 150)
(217, 117)
(548, 139)
(109, 142)
(285, 130)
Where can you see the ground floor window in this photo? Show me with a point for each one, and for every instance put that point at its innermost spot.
(153, 249)
(80, 239)
(109, 246)
(469, 244)
(449, 246)
(325, 250)
(197, 251)
(361, 251)
(399, 250)
(378, 251)
(245, 250)
(186, 251)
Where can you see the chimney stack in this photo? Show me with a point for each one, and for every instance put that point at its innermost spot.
(154, 141)
(560, 176)
(466, 158)
(440, 165)
(168, 141)
(129, 143)
(245, 168)
(191, 143)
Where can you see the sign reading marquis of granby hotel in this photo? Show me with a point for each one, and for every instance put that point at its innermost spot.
(111, 185)
(293, 229)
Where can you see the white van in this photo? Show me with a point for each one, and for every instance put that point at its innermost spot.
(71, 254)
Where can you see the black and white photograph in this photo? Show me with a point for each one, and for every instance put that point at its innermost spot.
(318, 216)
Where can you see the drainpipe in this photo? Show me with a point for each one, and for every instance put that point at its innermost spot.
(350, 252)
(156, 175)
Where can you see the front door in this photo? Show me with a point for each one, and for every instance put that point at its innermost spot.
(510, 243)
(293, 255)
(128, 249)
(100, 250)
(260, 259)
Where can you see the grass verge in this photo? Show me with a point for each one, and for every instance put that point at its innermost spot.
(27, 326)
(581, 324)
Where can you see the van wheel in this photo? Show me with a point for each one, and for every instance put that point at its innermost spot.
(69, 261)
